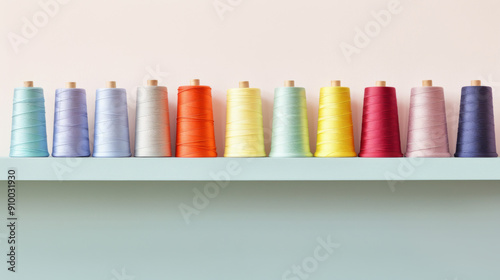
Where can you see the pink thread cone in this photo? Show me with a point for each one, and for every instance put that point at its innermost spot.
(427, 127)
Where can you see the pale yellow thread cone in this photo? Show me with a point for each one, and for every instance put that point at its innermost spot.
(244, 124)
(335, 130)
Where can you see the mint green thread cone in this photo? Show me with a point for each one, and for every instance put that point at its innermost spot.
(290, 137)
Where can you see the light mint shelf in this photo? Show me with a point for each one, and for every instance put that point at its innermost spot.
(257, 169)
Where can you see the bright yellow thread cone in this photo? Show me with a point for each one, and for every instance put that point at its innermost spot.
(244, 125)
(335, 131)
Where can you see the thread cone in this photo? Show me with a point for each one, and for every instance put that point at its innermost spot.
(476, 128)
(427, 125)
(335, 128)
(29, 135)
(380, 129)
(152, 126)
(290, 125)
(71, 129)
(195, 122)
(244, 123)
(111, 133)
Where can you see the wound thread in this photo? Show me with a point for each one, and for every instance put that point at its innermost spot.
(244, 123)
(290, 125)
(29, 134)
(335, 128)
(111, 135)
(380, 128)
(152, 130)
(427, 126)
(476, 127)
(71, 128)
(195, 122)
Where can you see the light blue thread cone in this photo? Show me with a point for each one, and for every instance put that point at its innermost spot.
(111, 135)
(29, 134)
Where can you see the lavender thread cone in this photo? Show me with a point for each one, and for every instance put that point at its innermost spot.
(71, 130)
